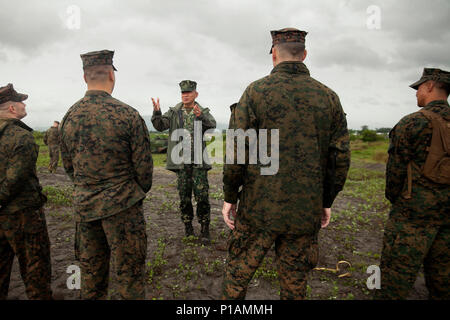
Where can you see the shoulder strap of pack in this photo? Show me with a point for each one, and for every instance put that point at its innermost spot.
(408, 193)
(440, 135)
(441, 129)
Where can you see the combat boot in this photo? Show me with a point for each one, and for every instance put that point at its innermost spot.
(206, 239)
(189, 229)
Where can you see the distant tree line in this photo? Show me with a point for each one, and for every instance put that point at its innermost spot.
(368, 135)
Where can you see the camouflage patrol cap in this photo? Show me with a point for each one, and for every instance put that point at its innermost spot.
(98, 58)
(7, 93)
(432, 74)
(188, 85)
(287, 35)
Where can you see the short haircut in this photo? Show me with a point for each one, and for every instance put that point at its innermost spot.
(291, 50)
(443, 86)
(97, 74)
(4, 106)
(56, 122)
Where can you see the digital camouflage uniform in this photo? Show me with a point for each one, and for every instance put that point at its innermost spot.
(23, 229)
(418, 229)
(51, 139)
(190, 177)
(105, 147)
(285, 208)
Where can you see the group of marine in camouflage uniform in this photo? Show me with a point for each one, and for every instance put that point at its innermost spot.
(105, 150)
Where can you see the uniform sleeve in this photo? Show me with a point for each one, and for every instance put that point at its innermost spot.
(243, 118)
(65, 156)
(208, 121)
(338, 158)
(20, 166)
(161, 121)
(399, 156)
(46, 138)
(141, 154)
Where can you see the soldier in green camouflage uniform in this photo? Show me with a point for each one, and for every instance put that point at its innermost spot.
(23, 229)
(105, 147)
(289, 207)
(51, 139)
(190, 177)
(418, 229)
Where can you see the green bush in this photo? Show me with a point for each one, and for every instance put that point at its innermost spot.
(369, 136)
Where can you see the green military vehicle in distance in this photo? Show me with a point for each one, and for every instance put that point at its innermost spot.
(159, 142)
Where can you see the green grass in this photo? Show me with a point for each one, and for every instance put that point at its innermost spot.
(159, 159)
(375, 152)
(58, 196)
(43, 159)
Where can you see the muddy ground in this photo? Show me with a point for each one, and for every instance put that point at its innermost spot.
(180, 268)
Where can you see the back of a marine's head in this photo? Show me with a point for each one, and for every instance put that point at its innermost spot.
(99, 70)
(288, 44)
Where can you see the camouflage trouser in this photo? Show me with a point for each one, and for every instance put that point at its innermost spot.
(25, 235)
(193, 179)
(296, 255)
(121, 237)
(406, 246)
(53, 151)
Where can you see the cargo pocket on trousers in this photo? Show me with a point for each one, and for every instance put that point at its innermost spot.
(312, 254)
(141, 239)
(33, 221)
(236, 243)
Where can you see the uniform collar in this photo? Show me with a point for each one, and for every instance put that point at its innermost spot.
(438, 103)
(97, 93)
(16, 122)
(180, 106)
(291, 67)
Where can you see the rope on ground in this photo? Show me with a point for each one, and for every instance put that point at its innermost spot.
(347, 274)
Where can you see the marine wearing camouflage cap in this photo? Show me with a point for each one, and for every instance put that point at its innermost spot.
(7, 93)
(192, 178)
(23, 229)
(434, 75)
(188, 85)
(105, 148)
(417, 232)
(98, 58)
(286, 209)
(287, 35)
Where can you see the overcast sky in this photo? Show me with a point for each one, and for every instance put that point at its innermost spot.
(224, 46)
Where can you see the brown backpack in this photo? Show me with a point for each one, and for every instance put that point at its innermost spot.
(437, 164)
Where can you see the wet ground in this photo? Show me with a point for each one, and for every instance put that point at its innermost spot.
(181, 268)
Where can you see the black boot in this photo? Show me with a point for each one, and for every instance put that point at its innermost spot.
(189, 229)
(206, 239)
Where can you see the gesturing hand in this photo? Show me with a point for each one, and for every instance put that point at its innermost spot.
(197, 111)
(326, 216)
(228, 211)
(156, 106)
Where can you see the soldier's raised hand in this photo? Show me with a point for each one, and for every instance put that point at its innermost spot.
(197, 111)
(156, 106)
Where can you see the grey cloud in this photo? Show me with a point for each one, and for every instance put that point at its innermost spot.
(348, 52)
(224, 46)
(30, 25)
(3, 56)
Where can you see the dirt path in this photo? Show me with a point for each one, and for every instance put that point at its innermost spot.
(180, 268)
